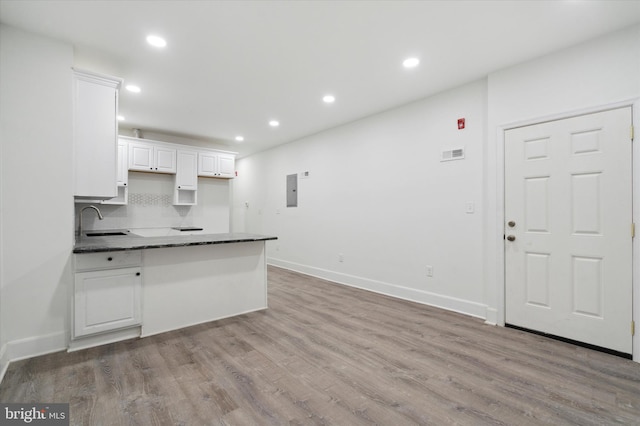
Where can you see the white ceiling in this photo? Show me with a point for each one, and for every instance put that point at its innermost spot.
(231, 66)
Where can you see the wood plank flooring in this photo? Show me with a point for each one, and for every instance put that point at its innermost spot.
(333, 355)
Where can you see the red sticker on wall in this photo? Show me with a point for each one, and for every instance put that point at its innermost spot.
(460, 123)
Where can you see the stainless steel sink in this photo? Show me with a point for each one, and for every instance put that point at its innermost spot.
(105, 233)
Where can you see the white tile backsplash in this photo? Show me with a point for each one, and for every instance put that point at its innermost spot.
(151, 206)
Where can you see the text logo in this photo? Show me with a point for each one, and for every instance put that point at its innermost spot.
(34, 414)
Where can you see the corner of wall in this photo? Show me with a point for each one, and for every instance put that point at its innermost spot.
(4, 361)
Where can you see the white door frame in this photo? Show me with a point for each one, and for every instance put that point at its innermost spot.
(498, 238)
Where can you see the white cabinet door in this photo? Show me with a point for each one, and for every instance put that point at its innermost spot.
(207, 164)
(107, 300)
(187, 171)
(165, 160)
(95, 131)
(186, 182)
(141, 157)
(122, 176)
(148, 157)
(218, 165)
(226, 166)
(123, 168)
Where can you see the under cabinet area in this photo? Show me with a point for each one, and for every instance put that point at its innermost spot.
(107, 292)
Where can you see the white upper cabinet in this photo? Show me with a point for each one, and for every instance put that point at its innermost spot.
(214, 164)
(187, 173)
(95, 132)
(186, 181)
(122, 177)
(151, 157)
(165, 159)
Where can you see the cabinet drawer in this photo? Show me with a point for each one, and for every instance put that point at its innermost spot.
(108, 260)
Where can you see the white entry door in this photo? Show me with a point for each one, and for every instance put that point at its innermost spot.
(568, 258)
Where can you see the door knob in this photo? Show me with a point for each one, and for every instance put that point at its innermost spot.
(511, 238)
(511, 224)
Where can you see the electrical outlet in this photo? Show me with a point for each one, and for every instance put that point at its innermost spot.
(340, 257)
(470, 207)
(429, 270)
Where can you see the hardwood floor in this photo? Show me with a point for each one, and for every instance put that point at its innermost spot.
(329, 354)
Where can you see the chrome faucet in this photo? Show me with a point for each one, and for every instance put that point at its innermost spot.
(80, 217)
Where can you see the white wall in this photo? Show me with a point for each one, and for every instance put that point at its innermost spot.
(378, 195)
(36, 192)
(603, 72)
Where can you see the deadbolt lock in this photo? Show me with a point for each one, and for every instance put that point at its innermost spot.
(511, 224)
(511, 238)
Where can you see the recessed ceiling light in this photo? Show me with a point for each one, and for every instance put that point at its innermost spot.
(239, 138)
(133, 88)
(411, 62)
(156, 41)
(329, 99)
(121, 118)
(274, 123)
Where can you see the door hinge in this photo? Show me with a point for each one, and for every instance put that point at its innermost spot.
(633, 230)
(631, 132)
(633, 328)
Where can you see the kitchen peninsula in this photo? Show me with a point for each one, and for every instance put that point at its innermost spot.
(127, 285)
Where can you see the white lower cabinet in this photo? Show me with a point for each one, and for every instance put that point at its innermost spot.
(107, 292)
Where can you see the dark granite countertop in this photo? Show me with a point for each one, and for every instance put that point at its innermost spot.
(134, 242)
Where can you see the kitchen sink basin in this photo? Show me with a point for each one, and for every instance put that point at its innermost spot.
(105, 234)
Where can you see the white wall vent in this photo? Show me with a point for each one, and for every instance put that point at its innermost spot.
(452, 154)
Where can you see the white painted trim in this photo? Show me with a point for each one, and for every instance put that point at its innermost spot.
(448, 303)
(500, 261)
(32, 347)
(491, 316)
(191, 324)
(636, 220)
(104, 339)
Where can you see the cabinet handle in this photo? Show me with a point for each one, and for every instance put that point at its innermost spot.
(109, 259)
(124, 184)
(137, 274)
(178, 187)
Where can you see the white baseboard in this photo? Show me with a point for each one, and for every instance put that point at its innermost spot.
(35, 346)
(449, 303)
(491, 316)
(30, 347)
(103, 339)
